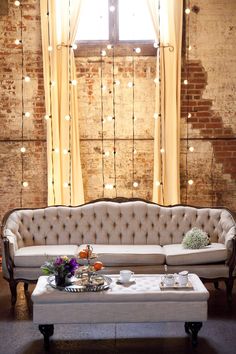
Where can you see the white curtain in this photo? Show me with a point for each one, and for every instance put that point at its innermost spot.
(59, 23)
(166, 180)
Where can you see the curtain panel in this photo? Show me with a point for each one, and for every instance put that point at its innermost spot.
(59, 23)
(167, 22)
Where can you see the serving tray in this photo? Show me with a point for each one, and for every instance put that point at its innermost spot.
(78, 285)
(177, 286)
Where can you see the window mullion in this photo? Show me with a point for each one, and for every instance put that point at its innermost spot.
(113, 21)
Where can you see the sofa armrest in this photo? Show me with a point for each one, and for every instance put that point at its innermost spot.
(230, 243)
(8, 252)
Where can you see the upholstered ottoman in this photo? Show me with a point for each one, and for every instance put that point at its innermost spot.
(140, 302)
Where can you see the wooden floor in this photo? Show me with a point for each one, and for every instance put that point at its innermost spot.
(18, 334)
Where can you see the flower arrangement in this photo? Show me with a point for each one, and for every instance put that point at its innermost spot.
(62, 267)
(195, 239)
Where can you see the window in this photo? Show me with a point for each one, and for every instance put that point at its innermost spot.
(124, 23)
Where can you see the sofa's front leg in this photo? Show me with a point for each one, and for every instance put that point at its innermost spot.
(13, 288)
(26, 286)
(229, 288)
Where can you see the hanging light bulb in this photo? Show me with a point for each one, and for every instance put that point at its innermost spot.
(53, 83)
(49, 48)
(73, 82)
(109, 118)
(135, 184)
(47, 117)
(155, 45)
(155, 115)
(18, 41)
(190, 182)
(103, 53)
(137, 50)
(66, 184)
(25, 184)
(106, 153)
(185, 82)
(23, 149)
(117, 82)
(189, 115)
(26, 114)
(134, 151)
(27, 79)
(109, 46)
(156, 80)
(109, 186)
(103, 87)
(189, 47)
(17, 3)
(65, 151)
(162, 151)
(158, 183)
(191, 149)
(67, 117)
(112, 8)
(56, 150)
(187, 11)
(130, 84)
(74, 46)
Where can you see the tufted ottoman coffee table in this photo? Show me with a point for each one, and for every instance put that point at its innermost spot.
(140, 302)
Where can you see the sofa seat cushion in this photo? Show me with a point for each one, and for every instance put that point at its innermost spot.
(177, 255)
(35, 256)
(125, 255)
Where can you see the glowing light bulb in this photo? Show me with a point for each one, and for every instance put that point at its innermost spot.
(156, 80)
(190, 47)
(109, 46)
(117, 82)
(189, 115)
(23, 149)
(56, 150)
(158, 183)
(155, 45)
(135, 184)
(27, 114)
(65, 184)
(191, 148)
(18, 41)
(187, 11)
(185, 82)
(109, 186)
(103, 53)
(73, 82)
(135, 151)
(155, 115)
(74, 46)
(137, 50)
(47, 117)
(130, 84)
(112, 8)
(27, 79)
(49, 48)
(53, 83)
(25, 184)
(17, 3)
(109, 118)
(162, 151)
(67, 117)
(65, 151)
(190, 182)
(106, 153)
(104, 87)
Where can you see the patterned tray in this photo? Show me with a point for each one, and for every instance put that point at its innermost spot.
(176, 286)
(78, 285)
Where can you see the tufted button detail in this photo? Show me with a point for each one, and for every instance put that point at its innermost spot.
(38, 227)
(44, 217)
(140, 225)
(95, 236)
(57, 236)
(64, 226)
(28, 228)
(114, 224)
(33, 238)
(157, 216)
(45, 237)
(69, 235)
(70, 216)
(57, 216)
(108, 235)
(152, 225)
(21, 220)
(165, 225)
(94, 215)
(202, 226)
(82, 236)
(82, 215)
(120, 215)
(120, 235)
(76, 225)
(101, 225)
(133, 215)
(127, 225)
(146, 215)
(89, 226)
(51, 227)
(177, 225)
(32, 218)
(190, 225)
(107, 215)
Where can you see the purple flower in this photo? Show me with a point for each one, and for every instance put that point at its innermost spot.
(58, 261)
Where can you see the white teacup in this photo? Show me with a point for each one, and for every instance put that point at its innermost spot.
(168, 279)
(125, 275)
(183, 278)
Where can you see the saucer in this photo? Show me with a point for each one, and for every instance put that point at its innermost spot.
(129, 282)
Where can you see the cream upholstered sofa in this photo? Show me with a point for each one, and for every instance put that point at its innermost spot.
(136, 234)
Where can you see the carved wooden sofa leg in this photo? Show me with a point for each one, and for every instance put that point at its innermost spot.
(216, 284)
(13, 288)
(229, 288)
(26, 286)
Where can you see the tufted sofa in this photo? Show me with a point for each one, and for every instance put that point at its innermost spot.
(125, 233)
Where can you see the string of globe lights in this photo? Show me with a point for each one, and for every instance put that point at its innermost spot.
(25, 79)
(189, 148)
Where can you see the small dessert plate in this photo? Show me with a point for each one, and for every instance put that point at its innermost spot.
(129, 282)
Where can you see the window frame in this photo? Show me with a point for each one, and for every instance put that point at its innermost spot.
(87, 48)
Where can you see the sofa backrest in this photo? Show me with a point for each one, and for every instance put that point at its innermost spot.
(107, 222)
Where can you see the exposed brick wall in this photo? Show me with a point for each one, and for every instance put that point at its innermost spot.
(211, 128)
